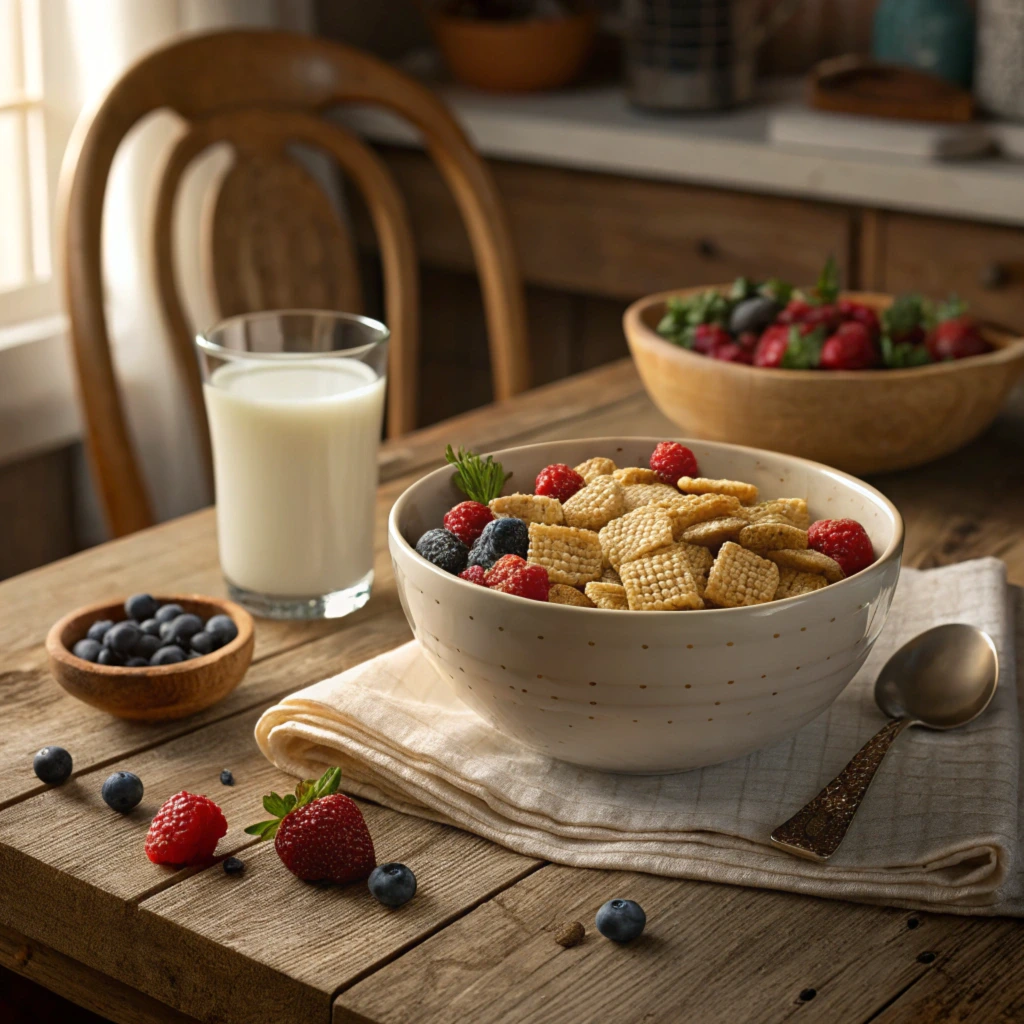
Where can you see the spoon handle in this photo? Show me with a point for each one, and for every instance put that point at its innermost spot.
(817, 829)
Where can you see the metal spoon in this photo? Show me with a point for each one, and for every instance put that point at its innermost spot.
(942, 679)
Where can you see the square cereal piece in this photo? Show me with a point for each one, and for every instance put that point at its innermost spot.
(636, 475)
(661, 582)
(595, 467)
(596, 505)
(807, 560)
(560, 593)
(698, 559)
(570, 555)
(638, 495)
(531, 508)
(770, 535)
(610, 575)
(790, 510)
(611, 596)
(746, 493)
(687, 509)
(792, 582)
(713, 532)
(635, 534)
(739, 577)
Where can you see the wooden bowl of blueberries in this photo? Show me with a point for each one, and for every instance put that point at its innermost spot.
(152, 658)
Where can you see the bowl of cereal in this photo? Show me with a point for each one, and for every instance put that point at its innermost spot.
(596, 612)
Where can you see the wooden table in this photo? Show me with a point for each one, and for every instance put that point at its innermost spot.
(84, 913)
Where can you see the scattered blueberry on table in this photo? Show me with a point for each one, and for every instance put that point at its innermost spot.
(154, 634)
(226, 778)
(621, 920)
(392, 884)
(52, 765)
(122, 792)
(234, 866)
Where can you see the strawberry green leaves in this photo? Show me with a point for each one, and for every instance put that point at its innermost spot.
(479, 479)
(804, 350)
(827, 288)
(898, 355)
(281, 806)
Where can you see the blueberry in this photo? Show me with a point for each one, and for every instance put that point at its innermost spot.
(151, 627)
(87, 650)
(141, 606)
(621, 920)
(204, 643)
(98, 630)
(392, 884)
(183, 628)
(223, 627)
(122, 638)
(234, 866)
(166, 612)
(165, 628)
(52, 765)
(226, 778)
(146, 646)
(169, 655)
(136, 662)
(109, 657)
(753, 314)
(122, 791)
(505, 536)
(444, 549)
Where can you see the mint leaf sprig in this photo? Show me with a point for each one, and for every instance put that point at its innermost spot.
(478, 479)
(281, 806)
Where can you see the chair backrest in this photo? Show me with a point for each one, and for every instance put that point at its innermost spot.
(275, 236)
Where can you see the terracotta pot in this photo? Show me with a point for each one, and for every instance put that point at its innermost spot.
(515, 56)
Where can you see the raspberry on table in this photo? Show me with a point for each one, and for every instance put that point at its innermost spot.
(474, 574)
(530, 582)
(505, 536)
(502, 569)
(444, 550)
(670, 460)
(467, 520)
(558, 481)
(186, 830)
(844, 541)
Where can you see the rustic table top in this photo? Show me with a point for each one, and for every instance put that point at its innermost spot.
(84, 913)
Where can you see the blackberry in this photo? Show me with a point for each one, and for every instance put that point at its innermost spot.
(444, 550)
(505, 536)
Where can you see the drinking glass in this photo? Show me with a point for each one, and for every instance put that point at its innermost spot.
(295, 402)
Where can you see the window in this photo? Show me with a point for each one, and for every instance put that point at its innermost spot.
(27, 288)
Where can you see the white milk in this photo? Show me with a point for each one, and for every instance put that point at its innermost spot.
(295, 462)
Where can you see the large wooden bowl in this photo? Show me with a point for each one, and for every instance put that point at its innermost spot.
(156, 692)
(861, 421)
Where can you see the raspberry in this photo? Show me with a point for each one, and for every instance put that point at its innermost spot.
(505, 536)
(772, 346)
(475, 574)
(956, 338)
(185, 830)
(843, 540)
(503, 568)
(467, 521)
(558, 481)
(444, 550)
(670, 460)
(707, 336)
(850, 348)
(530, 581)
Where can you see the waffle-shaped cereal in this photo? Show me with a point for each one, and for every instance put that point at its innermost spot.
(596, 505)
(687, 509)
(560, 593)
(740, 577)
(570, 555)
(610, 575)
(792, 582)
(714, 532)
(531, 508)
(595, 467)
(638, 495)
(661, 582)
(635, 475)
(611, 596)
(746, 493)
(808, 561)
(790, 510)
(635, 534)
(770, 535)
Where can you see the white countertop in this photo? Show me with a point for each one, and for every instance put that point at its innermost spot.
(595, 129)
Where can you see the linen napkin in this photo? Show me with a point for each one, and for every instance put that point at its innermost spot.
(940, 827)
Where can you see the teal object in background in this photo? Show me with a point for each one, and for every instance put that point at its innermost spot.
(930, 35)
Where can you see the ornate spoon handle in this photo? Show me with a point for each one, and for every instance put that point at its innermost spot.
(817, 829)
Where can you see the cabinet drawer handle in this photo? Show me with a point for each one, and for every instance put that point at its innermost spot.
(707, 248)
(994, 276)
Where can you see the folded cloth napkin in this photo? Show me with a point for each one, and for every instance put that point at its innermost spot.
(939, 829)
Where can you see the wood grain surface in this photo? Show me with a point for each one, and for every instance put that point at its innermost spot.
(77, 892)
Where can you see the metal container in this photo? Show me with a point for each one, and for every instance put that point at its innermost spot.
(999, 64)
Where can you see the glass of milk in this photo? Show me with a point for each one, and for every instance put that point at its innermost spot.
(295, 402)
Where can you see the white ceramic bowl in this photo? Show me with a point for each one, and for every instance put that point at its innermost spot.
(649, 691)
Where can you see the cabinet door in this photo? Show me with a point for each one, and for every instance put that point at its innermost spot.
(982, 263)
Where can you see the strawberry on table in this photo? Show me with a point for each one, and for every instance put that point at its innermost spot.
(319, 833)
(844, 541)
(851, 348)
(467, 520)
(558, 481)
(186, 830)
(670, 460)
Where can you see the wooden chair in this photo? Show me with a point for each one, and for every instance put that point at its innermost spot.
(276, 239)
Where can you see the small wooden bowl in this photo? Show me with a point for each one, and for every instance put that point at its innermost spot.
(156, 692)
(860, 421)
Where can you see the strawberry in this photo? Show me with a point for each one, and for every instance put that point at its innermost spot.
(707, 336)
(956, 338)
(732, 352)
(850, 348)
(467, 520)
(558, 481)
(796, 310)
(186, 830)
(843, 540)
(772, 345)
(530, 581)
(475, 574)
(859, 313)
(319, 833)
(670, 460)
(503, 568)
